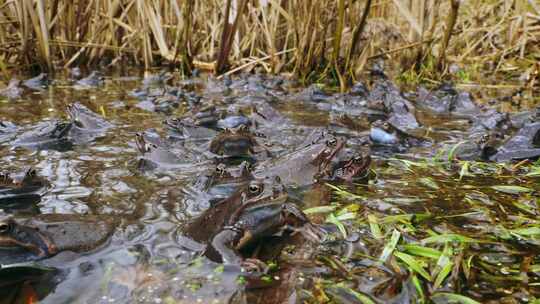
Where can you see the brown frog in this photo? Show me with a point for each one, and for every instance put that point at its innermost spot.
(235, 225)
(352, 166)
(45, 235)
(223, 181)
(237, 142)
(305, 165)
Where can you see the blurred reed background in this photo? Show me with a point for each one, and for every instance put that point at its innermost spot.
(313, 39)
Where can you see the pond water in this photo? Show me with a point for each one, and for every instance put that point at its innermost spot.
(425, 228)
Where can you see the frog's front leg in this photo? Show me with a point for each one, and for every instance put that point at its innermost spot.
(224, 242)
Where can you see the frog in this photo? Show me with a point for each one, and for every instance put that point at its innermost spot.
(479, 147)
(95, 79)
(524, 144)
(43, 236)
(31, 185)
(236, 142)
(199, 124)
(306, 164)
(156, 155)
(86, 125)
(37, 83)
(157, 79)
(353, 166)
(83, 126)
(259, 210)
(386, 133)
(46, 135)
(221, 182)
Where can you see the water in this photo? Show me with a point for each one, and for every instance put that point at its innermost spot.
(149, 260)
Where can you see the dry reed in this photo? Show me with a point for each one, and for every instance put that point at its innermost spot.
(317, 40)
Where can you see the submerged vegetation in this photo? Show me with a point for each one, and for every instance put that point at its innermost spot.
(477, 242)
(316, 40)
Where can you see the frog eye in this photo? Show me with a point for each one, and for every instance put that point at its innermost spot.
(254, 188)
(5, 228)
(242, 128)
(332, 142)
(31, 172)
(220, 169)
(386, 126)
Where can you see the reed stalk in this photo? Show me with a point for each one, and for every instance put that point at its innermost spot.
(331, 41)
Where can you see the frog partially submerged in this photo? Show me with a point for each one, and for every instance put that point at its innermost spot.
(352, 166)
(221, 182)
(47, 135)
(525, 144)
(37, 83)
(480, 147)
(43, 236)
(95, 79)
(304, 166)
(158, 156)
(233, 226)
(387, 134)
(29, 186)
(157, 79)
(83, 127)
(198, 125)
(237, 142)
(86, 125)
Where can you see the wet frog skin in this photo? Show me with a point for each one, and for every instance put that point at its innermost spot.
(95, 79)
(236, 142)
(216, 217)
(351, 168)
(303, 166)
(43, 236)
(221, 182)
(30, 186)
(47, 135)
(83, 126)
(37, 83)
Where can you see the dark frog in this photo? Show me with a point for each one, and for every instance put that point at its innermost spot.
(47, 135)
(235, 142)
(235, 225)
(43, 236)
(304, 166)
(30, 186)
